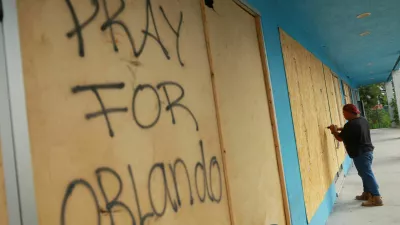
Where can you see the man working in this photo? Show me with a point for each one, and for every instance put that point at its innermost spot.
(357, 139)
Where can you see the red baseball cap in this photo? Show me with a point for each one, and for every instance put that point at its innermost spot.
(351, 109)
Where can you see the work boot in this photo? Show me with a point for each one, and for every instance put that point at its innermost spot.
(373, 201)
(364, 197)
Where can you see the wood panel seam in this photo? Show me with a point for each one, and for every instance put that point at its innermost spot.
(222, 148)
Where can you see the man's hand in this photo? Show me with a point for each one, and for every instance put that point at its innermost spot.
(333, 128)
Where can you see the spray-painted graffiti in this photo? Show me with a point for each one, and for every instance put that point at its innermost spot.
(203, 172)
(198, 183)
(112, 21)
(95, 88)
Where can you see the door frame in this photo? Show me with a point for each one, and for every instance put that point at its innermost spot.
(21, 202)
(6, 137)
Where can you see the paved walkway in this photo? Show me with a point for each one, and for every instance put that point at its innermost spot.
(386, 166)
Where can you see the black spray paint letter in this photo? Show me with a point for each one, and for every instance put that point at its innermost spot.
(115, 201)
(174, 175)
(167, 192)
(147, 215)
(176, 102)
(79, 27)
(202, 166)
(138, 89)
(177, 32)
(70, 189)
(111, 21)
(95, 89)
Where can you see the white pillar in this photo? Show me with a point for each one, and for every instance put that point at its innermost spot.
(396, 84)
(390, 96)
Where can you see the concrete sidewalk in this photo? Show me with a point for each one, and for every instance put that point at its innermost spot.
(386, 167)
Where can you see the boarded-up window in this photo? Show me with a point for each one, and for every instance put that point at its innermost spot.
(121, 113)
(335, 103)
(245, 118)
(313, 105)
(123, 116)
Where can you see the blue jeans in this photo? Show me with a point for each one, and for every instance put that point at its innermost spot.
(363, 164)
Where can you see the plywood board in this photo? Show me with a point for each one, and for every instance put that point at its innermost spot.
(324, 118)
(347, 93)
(309, 99)
(297, 102)
(247, 132)
(339, 98)
(336, 112)
(125, 136)
(3, 202)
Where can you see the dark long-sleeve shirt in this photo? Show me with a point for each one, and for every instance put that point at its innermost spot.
(356, 137)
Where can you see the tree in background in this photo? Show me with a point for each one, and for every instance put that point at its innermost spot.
(378, 118)
(393, 104)
(372, 96)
